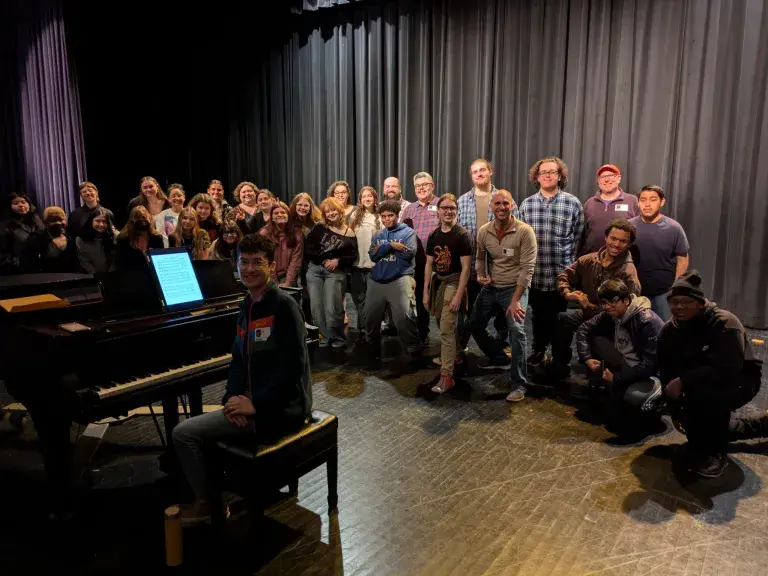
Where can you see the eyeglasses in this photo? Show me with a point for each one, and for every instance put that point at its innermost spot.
(229, 233)
(549, 173)
(607, 177)
(422, 186)
(448, 208)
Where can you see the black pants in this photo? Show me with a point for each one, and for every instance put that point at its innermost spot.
(358, 285)
(567, 324)
(546, 305)
(626, 398)
(499, 321)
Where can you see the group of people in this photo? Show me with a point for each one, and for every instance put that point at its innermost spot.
(612, 271)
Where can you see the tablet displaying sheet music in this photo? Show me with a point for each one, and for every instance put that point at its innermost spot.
(175, 276)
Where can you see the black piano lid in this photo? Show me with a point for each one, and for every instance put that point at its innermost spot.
(20, 285)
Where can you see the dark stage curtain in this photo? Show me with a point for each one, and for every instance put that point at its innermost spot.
(43, 151)
(674, 92)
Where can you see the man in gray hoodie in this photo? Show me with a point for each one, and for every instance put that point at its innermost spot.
(618, 346)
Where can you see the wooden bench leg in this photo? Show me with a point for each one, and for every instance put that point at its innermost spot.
(293, 486)
(332, 467)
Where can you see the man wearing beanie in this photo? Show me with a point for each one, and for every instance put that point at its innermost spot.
(707, 369)
(608, 203)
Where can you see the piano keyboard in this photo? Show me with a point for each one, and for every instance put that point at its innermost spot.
(118, 388)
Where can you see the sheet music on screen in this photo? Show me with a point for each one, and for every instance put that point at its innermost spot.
(176, 277)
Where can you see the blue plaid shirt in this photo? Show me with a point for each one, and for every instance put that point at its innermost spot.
(468, 219)
(559, 224)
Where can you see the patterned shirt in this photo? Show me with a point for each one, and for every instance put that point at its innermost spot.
(424, 218)
(468, 219)
(559, 224)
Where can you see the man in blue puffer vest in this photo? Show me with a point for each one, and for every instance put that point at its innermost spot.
(392, 282)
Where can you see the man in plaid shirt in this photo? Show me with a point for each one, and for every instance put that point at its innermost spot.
(422, 217)
(475, 210)
(557, 219)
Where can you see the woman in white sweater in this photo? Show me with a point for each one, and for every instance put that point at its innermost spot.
(364, 222)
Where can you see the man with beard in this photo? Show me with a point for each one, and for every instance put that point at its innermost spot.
(393, 191)
(610, 202)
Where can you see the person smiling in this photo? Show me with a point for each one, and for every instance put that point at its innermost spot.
(331, 248)
(96, 243)
(79, 218)
(245, 196)
(222, 207)
(167, 220)
(269, 387)
(208, 218)
(342, 192)
(365, 222)
(579, 283)
(289, 244)
(151, 196)
(188, 233)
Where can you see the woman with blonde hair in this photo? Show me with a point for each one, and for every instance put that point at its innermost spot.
(151, 197)
(207, 216)
(135, 239)
(331, 248)
(51, 249)
(343, 193)
(364, 222)
(304, 213)
(188, 233)
(289, 243)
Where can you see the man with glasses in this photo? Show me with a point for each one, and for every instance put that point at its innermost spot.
(422, 217)
(610, 202)
(506, 258)
(579, 283)
(449, 256)
(558, 221)
(269, 387)
(618, 347)
(663, 248)
(708, 369)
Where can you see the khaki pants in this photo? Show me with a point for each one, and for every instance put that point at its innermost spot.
(447, 319)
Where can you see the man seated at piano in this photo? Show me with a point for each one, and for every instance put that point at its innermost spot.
(269, 387)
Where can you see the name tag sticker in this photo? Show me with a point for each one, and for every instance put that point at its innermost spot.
(509, 251)
(432, 207)
(261, 334)
(622, 208)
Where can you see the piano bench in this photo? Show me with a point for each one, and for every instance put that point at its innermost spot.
(255, 472)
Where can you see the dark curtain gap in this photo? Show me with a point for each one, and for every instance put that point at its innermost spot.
(672, 92)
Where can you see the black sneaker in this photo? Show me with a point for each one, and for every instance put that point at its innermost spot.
(711, 466)
(497, 364)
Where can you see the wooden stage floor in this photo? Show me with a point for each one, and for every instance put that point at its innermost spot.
(460, 484)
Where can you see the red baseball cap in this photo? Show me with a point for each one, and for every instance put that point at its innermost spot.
(608, 168)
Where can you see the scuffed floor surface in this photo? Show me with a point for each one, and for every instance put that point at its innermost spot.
(460, 484)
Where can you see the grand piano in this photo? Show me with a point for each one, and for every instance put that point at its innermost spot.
(110, 350)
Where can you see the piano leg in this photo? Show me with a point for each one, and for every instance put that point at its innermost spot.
(170, 419)
(195, 396)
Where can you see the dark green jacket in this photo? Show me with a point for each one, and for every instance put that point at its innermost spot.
(270, 362)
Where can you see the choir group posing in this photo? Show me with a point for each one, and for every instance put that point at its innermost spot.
(613, 272)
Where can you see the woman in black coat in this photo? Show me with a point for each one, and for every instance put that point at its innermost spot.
(51, 250)
(96, 243)
(22, 220)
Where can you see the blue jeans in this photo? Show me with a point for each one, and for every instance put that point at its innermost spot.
(660, 305)
(488, 303)
(326, 292)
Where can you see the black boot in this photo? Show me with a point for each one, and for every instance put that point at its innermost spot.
(710, 465)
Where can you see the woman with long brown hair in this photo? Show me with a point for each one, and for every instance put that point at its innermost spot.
(304, 213)
(331, 248)
(290, 244)
(264, 201)
(188, 233)
(364, 222)
(20, 223)
(151, 196)
(207, 216)
(138, 236)
(225, 246)
(168, 219)
(220, 204)
(343, 193)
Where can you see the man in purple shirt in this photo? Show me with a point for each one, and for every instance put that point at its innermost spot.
(422, 217)
(662, 249)
(610, 202)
